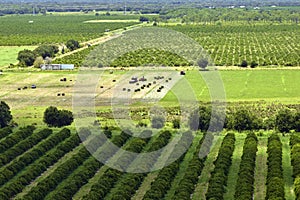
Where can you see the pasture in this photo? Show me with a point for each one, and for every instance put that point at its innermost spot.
(9, 54)
(269, 86)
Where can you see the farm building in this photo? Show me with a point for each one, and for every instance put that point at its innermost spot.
(57, 67)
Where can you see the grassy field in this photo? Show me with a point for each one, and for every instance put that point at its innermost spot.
(9, 54)
(248, 85)
(240, 85)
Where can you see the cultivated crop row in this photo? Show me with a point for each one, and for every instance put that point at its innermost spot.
(15, 137)
(100, 189)
(295, 161)
(41, 163)
(244, 187)
(219, 176)
(187, 185)
(165, 177)
(229, 45)
(275, 182)
(23, 146)
(86, 171)
(129, 183)
(5, 132)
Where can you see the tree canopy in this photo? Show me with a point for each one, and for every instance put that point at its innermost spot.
(57, 118)
(5, 115)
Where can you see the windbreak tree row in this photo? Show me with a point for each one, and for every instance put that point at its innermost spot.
(275, 181)
(244, 187)
(57, 148)
(218, 180)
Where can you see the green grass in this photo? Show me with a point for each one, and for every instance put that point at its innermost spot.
(261, 169)
(235, 166)
(9, 54)
(287, 168)
(247, 85)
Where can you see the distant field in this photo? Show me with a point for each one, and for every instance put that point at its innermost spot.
(9, 54)
(112, 21)
(230, 43)
(16, 30)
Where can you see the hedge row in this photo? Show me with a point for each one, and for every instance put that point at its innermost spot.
(23, 146)
(87, 170)
(244, 187)
(165, 177)
(129, 183)
(29, 157)
(190, 179)
(24, 178)
(5, 132)
(100, 189)
(16, 137)
(48, 184)
(275, 182)
(295, 160)
(218, 181)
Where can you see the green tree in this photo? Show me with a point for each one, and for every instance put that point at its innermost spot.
(144, 19)
(297, 122)
(46, 50)
(5, 115)
(202, 63)
(38, 62)
(284, 120)
(57, 118)
(26, 57)
(157, 122)
(72, 45)
(242, 120)
(244, 63)
(253, 64)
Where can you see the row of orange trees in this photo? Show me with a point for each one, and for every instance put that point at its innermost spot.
(219, 176)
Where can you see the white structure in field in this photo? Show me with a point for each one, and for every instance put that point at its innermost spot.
(57, 67)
